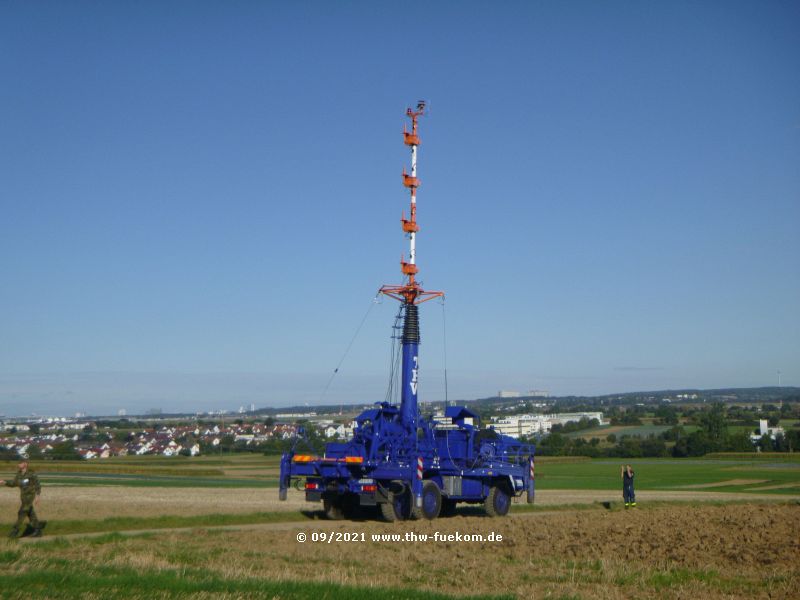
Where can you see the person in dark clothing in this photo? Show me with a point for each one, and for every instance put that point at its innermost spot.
(29, 490)
(627, 486)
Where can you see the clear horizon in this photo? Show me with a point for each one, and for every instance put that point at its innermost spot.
(170, 401)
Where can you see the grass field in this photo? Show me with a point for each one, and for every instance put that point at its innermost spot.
(239, 470)
(776, 474)
(661, 551)
(45, 573)
(222, 535)
(672, 474)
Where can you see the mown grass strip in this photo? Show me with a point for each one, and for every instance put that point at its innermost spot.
(68, 579)
(179, 467)
(792, 457)
(95, 479)
(563, 459)
(114, 524)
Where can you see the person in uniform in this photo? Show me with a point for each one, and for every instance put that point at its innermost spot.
(29, 491)
(627, 486)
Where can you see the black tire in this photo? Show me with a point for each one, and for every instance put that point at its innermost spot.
(448, 508)
(387, 510)
(431, 502)
(398, 507)
(333, 509)
(498, 502)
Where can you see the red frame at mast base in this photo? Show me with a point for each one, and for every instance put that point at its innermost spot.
(411, 294)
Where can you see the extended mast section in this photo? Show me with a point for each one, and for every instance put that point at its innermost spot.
(411, 292)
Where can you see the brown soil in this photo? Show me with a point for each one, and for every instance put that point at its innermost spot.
(701, 551)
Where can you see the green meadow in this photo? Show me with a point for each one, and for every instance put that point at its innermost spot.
(676, 474)
(54, 577)
(552, 473)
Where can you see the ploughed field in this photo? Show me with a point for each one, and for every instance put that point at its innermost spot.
(747, 550)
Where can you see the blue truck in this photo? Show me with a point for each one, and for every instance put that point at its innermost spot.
(407, 465)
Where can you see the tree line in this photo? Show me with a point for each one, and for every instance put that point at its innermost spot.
(712, 434)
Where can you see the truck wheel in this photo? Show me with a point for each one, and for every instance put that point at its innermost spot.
(431, 501)
(448, 508)
(333, 509)
(498, 502)
(398, 507)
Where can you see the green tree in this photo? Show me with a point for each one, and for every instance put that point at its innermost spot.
(681, 448)
(699, 443)
(8, 453)
(667, 415)
(630, 447)
(673, 434)
(226, 442)
(554, 444)
(65, 451)
(740, 442)
(653, 446)
(766, 444)
(793, 440)
(713, 422)
(34, 452)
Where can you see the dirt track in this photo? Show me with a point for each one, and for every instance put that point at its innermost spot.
(79, 502)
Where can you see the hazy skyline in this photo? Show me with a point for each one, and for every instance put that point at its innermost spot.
(199, 201)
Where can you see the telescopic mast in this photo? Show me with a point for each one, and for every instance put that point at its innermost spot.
(411, 293)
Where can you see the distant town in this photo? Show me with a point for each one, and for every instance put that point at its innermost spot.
(652, 423)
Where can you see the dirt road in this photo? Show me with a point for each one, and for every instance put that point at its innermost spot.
(100, 502)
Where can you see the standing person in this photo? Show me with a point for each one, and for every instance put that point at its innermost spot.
(29, 491)
(627, 486)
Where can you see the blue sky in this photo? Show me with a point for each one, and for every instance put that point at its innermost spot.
(200, 199)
